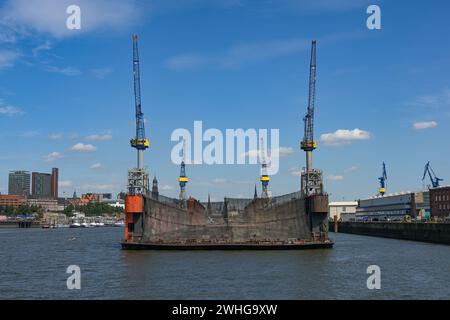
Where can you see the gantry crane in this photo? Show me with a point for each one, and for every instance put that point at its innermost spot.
(434, 179)
(265, 178)
(382, 179)
(311, 178)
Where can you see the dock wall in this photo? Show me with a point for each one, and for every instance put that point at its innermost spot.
(424, 232)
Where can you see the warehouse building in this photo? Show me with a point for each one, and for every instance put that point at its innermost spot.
(342, 210)
(394, 207)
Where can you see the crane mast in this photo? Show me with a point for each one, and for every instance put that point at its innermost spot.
(138, 177)
(265, 178)
(183, 179)
(382, 179)
(312, 182)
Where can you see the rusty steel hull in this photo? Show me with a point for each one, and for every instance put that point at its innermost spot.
(226, 246)
(280, 223)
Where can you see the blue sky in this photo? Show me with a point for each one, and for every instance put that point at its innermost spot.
(66, 96)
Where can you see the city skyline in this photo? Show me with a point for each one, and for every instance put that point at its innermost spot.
(382, 95)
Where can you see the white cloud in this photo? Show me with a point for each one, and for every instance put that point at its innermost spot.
(239, 54)
(101, 73)
(53, 156)
(49, 16)
(425, 125)
(344, 136)
(295, 172)
(351, 169)
(220, 180)
(96, 166)
(8, 58)
(10, 110)
(99, 137)
(165, 187)
(45, 46)
(432, 101)
(55, 136)
(66, 71)
(333, 177)
(29, 134)
(81, 147)
(322, 5)
(276, 152)
(65, 183)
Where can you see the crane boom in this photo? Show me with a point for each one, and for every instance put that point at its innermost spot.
(308, 143)
(140, 142)
(434, 179)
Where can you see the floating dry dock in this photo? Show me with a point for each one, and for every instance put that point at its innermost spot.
(286, 222)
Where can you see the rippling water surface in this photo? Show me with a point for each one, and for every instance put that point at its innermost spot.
(33, 265)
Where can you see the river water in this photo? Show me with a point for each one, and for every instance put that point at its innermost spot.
(33, 265)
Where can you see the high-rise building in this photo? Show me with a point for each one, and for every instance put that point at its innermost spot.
(54, 184)
(41, 185)
(19, 183)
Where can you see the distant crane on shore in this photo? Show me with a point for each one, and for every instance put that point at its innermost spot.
(264, 174)
(382, 179)
(183, 179)
(138, 177)
(434, 179)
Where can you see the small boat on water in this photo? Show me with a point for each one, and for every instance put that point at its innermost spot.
(85, 225)
(46, 226)
(119, 224)
(75, 225)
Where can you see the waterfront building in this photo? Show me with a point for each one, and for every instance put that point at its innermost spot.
(19, 183)
(117, 203)
(393, 206)
(440, 202)
(47, 204)
(342, 210)
(12, 200)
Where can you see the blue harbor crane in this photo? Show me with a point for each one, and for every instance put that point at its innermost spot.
(138, 183)
(434, 180)
(308, 144)
(140, 142)
(311, 179)
(382, 179)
